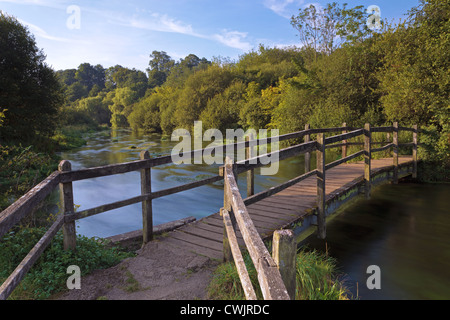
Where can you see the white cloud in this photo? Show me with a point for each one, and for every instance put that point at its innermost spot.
(164, 23)
(39, 32)
(284, 8)
(233, 39)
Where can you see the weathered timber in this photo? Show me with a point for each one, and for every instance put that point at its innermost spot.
(147, 210)
(184, 187)
(269, 277)
(66, 200)
(307, 154)
(262, 160)
(340, 161)
(273, 190)
(249, 153)
(284, 253)
(19, 273)
(390, 145)
(414, 152)
(344, 143)
(344, 136)
(106, 207)
(367, 159)
(395, 156)
(227, 253)
(321, 224)
(25, 204)
(237, 256)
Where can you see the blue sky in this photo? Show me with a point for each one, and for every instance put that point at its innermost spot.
(110, 32)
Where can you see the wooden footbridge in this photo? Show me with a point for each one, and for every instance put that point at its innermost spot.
(283, 211)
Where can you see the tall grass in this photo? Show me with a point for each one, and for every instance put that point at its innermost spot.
(317, 279)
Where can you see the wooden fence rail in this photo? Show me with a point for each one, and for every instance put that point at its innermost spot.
(65, 176)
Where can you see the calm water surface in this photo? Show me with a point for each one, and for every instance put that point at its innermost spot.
(116, 146)
(403, 229)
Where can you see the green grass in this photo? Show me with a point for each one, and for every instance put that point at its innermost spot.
(48, 275)
(317, 279)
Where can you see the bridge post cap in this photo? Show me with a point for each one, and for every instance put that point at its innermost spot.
(144, 154)
(64, 165)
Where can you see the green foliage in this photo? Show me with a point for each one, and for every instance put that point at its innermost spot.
(48, 275)
(21, 168)
(29, 89)
(316, 274)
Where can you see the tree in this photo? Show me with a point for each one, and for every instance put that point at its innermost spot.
(160, 65)
(29, 89)
(89, 75)
(319, 28)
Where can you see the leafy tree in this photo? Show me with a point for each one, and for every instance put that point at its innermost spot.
(159, 67)
(29, 89)
(89, 75)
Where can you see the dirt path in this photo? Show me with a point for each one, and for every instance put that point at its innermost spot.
(160, 271)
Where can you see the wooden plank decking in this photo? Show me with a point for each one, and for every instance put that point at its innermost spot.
(205, 236)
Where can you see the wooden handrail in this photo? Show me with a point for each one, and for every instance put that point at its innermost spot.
(269, 277)
(24, 205)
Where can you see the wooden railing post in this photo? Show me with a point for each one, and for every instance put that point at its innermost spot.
(66, 199)
(147, 210)
(367, 159)
(284, 253)
(249, 153)
(414, 153)
(321, 224)
(344, 147)
(395, 155)
(227, 253)
(307, 154)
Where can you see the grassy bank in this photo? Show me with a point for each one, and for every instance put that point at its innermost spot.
(21, 168)
(317, 279)
(48, 275)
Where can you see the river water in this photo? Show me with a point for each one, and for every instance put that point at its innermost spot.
(403, 229)
(116, 146)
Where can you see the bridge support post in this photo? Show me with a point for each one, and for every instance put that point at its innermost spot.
(395, 155)
(227, 253)
(147, 210)
(307, 154)
(249, 153)
(66, 199)
(284, 253)
(321, 224)
(367, 159)
(344, 147)
(414, 153)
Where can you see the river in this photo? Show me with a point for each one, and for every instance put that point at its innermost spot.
(116, 146)
(403, 229)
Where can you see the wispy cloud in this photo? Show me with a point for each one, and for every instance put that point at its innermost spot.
(39, 32)
(164, 23)
(284, 8)
(233, 39)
